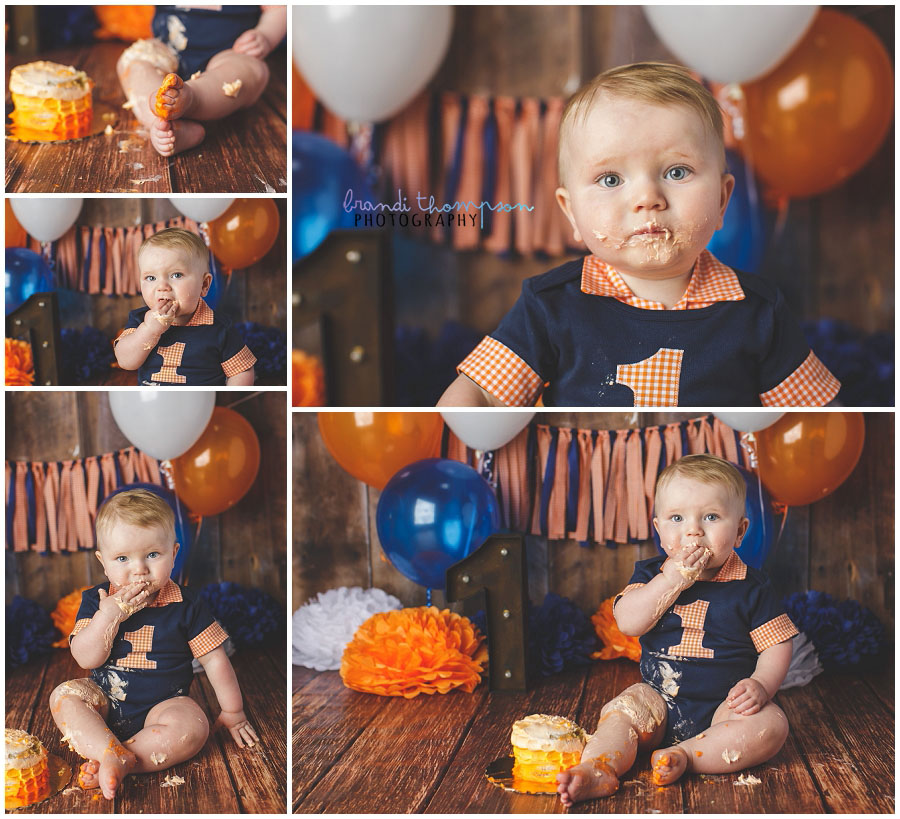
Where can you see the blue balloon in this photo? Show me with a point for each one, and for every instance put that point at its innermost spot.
(741, 242)
(757, 542)
(26, 274)
(432, 514)
(182, 523)
(323, 172)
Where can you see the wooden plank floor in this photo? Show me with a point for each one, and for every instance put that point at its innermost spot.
(243, 153)
(222, 778)
(360, 753)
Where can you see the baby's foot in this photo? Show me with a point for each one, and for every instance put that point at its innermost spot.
(87, 775)
(172, 99)
(587, 780)
(173, 137)
(115, 765)
(668, 765)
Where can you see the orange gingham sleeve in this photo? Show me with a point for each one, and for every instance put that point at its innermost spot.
(211, 637)
(126, 332)
(239, 362)
(498, 370)
(810, 385)
(625, 591)
(776, 631)
(79, 625)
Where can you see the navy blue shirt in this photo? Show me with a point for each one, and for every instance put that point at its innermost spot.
(152, 654)
(733, 351)
(203, 352)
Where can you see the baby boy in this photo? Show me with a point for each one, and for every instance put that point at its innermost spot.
(177, 338)
(715, 645)
(138, 634)
(650, 318)
(219, 53)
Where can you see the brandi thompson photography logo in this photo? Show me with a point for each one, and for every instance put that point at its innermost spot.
(423, 210)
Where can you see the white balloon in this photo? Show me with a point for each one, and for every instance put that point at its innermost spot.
(162, 423)
(365, 63)
(46, 219)
(730, 43)
(486, 430)
(201, 209)
(748, 421)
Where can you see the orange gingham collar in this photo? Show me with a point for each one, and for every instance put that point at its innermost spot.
(710, 282)
(202, 315)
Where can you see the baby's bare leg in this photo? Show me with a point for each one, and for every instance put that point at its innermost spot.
(636, 718)
(79, 709)
(175, 730)
(730, 744)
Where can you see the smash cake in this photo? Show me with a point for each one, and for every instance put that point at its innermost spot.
(51, 101)
(544, 746)
(27, 772)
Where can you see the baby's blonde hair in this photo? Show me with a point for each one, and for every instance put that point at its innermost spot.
(139, 507)
(709, 469)
(179, 239)
(655, 83)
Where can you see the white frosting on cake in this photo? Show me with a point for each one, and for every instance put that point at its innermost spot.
(541, 732)
(22, 749)
(48, 80)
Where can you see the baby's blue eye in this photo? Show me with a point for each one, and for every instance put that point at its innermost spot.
(121, 559)
(149, 278)
(178, 275)
(676, 518)
(153, 554)
(678, 174)
(609, 180)
(712, 516)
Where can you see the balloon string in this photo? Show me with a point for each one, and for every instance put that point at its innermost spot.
(762, 509)
(166, 468)
(780, 509)
(245, 398)
(428, 597)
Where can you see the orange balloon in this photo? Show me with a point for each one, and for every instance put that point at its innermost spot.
(245, 232)
(303, 102)
(823, 112)
(374, 446)
(219, 469)
(15, 233)
(805, 456)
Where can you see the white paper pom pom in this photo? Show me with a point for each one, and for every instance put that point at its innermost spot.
(324, 625)
(804, 663)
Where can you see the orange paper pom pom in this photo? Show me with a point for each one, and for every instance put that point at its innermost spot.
(63, 615)
(124, 22)
(615, 644)
(19, 364)
(414, 651)
(307, 380)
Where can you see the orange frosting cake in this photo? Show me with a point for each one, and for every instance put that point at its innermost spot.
(27, 774)
(51, 101)
(544, 746)
(167, 83)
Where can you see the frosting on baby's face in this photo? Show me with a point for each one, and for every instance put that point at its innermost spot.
(645, 187)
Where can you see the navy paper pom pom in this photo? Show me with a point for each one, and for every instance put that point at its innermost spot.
(863, 364)
(560, 635)
(29, 632)
(250, 616)
(86, 354)
(269, 345)
(846, 635)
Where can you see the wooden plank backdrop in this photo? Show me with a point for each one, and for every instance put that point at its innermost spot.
(246, 544)
(833, 254)
(843, 544)
(256, 293)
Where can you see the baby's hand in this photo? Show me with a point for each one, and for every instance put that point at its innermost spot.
(685, 564)
(125, 602)
(253, 43)
(158, 321)
(241, 730)
(747, 697)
